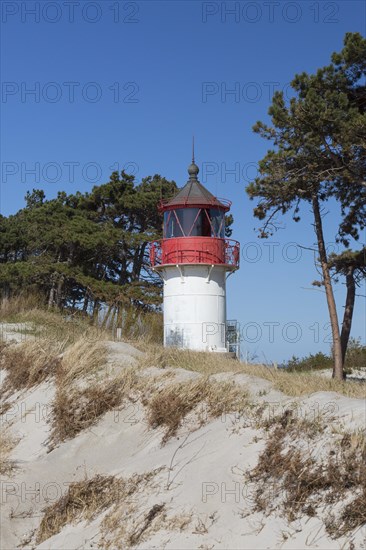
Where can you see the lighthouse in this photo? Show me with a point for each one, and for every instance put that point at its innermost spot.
(194, 260)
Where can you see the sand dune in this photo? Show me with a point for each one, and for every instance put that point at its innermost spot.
(191, 492)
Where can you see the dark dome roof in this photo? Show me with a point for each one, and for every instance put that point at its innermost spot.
(195, 194)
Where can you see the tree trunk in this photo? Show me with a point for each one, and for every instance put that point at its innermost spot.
(59, 291)
(51, 299)
(113, 318)
(95, 314)
(337, 348)
(106, 317)
(348, 311)
(123, 277)
(138, 262)
(86, 302)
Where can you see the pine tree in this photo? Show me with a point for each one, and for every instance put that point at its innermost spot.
(86, 248)
(320, 154)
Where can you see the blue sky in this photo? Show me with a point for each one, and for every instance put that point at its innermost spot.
(126, 84)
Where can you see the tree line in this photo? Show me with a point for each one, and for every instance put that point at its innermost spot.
(85, 250)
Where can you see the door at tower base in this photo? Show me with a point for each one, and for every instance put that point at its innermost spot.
(195, 307)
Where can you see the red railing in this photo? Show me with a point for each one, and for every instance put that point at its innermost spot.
(195, 250)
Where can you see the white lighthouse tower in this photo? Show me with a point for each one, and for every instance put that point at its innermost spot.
(194, 259)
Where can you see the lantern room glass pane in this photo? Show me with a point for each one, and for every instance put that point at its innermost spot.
(171, 226)
(187, 219)
(218, 222)
(186, 222)
(194, 222)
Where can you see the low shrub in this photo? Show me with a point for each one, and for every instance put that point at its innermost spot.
(319, 361)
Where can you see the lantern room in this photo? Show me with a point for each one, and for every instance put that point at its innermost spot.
(194, 228)
(194, 222)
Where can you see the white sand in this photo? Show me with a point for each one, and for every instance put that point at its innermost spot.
(201, 475)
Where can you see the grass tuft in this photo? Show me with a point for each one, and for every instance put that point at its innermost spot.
(288, 475)
(74, 410)
(169, 406)
(7, 444)
(203, 362)
(82, 359)
(28, 364)
(85, 500)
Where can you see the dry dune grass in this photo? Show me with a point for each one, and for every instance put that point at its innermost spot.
(202, 362)
(126, 525)
(29, 364)
(7, 443)
(290, 383)
(32, 362)
(297, 384)
(124, 528)
(169, 406)
(84, 391)
(12, 307)
(137, 326)
(75, 409)
(290, 477)
(142, 327)
(85, 500)
(59, 328)
(65, 330)
(82, 359)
